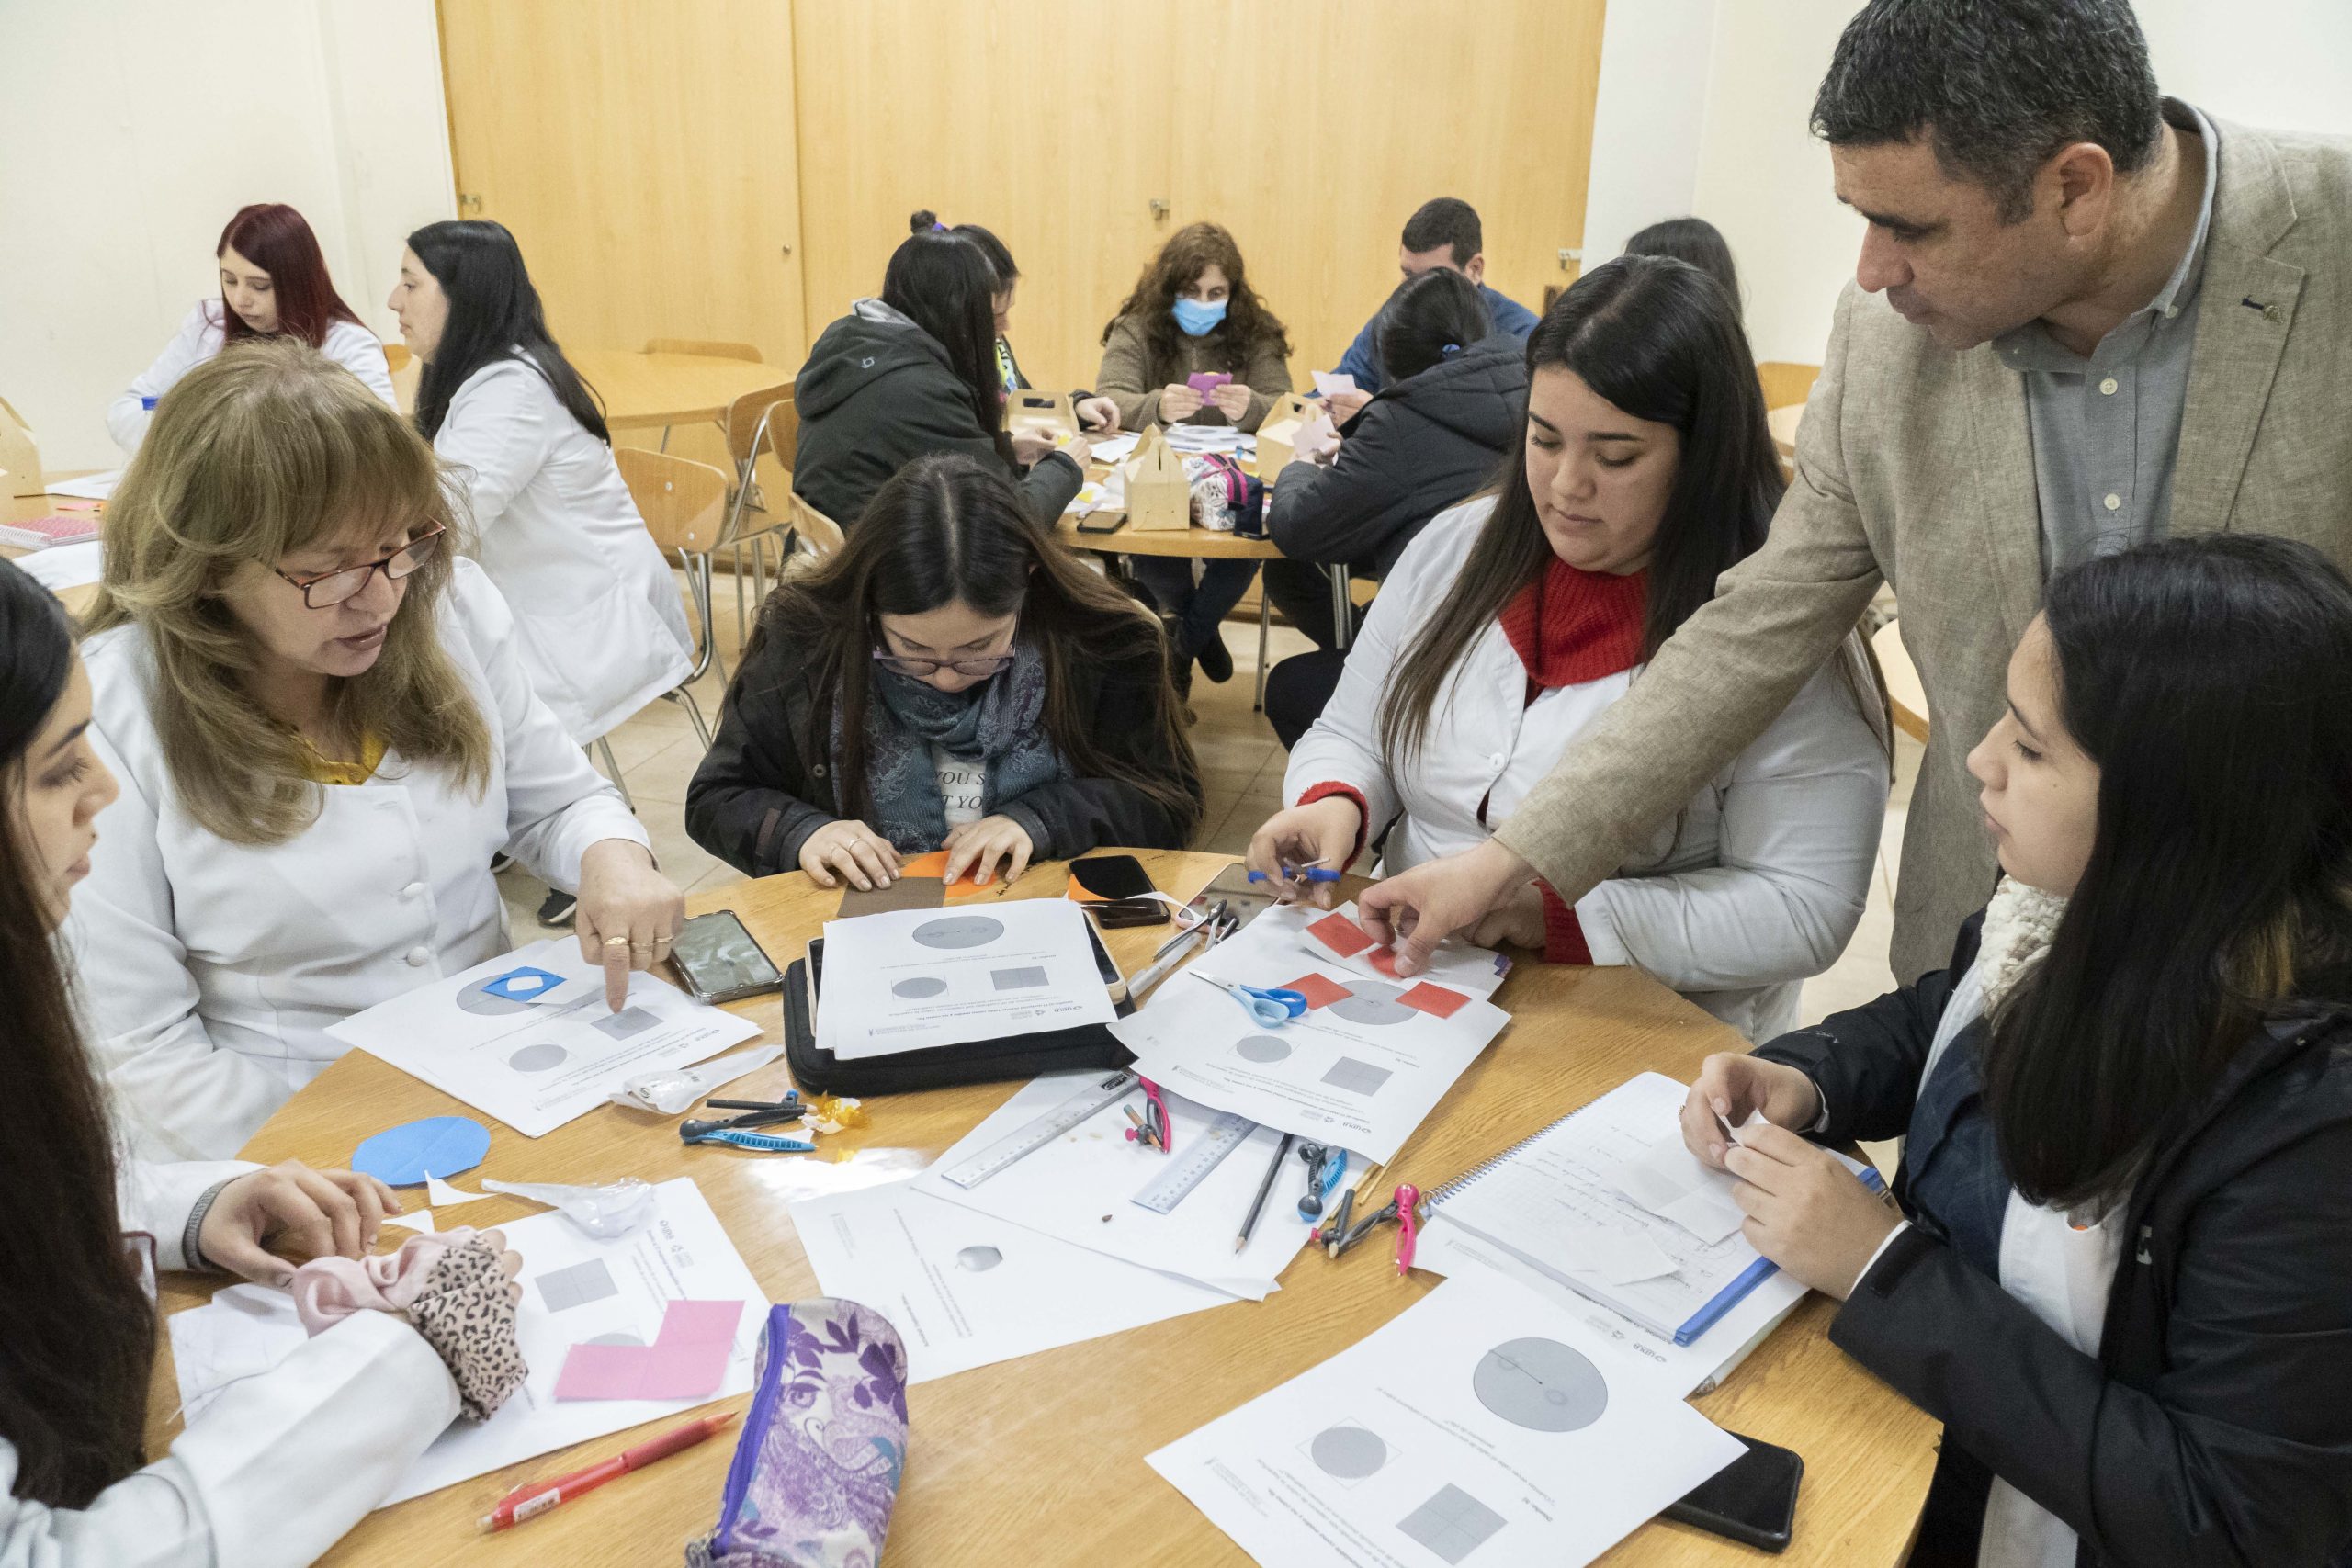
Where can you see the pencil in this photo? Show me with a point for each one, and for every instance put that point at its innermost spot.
(1273, 1168)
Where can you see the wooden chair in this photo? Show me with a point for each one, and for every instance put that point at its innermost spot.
(708, 348)
(681, 501)
(768, 422)
(396, 358)
(1786, 383)
(815, 534)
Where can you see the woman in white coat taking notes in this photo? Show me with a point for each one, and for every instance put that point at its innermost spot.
(1514, 620)
(273, 280)
(282, 1463)
(604, 627)
(323, 733)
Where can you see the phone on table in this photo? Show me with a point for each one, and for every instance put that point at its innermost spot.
(1102, 522)
(1123, 882)
(1752, 1500)
(720, 962)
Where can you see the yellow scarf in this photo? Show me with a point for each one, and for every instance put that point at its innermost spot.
(327, 770)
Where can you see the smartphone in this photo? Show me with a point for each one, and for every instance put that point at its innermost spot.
(720, 960)
(1102, 522)
(1123, 881)
(1752, 1500)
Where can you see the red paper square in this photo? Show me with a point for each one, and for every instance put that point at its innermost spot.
(1318, 991)
(1340, 934)
(1383, 959)
(1435, 1000)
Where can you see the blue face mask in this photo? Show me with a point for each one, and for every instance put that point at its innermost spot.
(1198, 320)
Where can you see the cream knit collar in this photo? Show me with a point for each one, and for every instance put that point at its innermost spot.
(2019, 925)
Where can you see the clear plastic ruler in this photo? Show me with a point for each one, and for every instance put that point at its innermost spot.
(1018, 1146)
(1189, 1166)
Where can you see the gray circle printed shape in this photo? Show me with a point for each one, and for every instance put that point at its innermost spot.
(1373, 1003)
(953, 931)
(1348, 1453)
(1540, 1385)
(920, 987)
(1262, 1048)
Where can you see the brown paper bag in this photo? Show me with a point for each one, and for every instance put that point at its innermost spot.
(20, 456)
(1158, 495)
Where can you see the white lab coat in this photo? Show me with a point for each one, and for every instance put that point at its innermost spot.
(1757, 883)
(210, 971)
(279, 1467)
(604, 627)
(201, 336)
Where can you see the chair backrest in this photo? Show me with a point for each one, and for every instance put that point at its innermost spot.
(819, 534)
(1786, 383)
(682, 501)
(783, 439)
(396, 356)
(744, 417)
(708, 348)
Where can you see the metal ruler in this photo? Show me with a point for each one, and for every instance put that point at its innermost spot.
(1017, 1146)
(1201, 1155)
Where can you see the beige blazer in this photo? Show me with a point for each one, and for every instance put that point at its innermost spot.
(1914, 464)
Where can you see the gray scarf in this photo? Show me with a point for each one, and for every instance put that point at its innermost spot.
(999, 722)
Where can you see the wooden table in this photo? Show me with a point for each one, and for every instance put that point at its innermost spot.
(1040, 1461)
(1904, 694)
(1784, 423)
(24, 509)
(651, 390)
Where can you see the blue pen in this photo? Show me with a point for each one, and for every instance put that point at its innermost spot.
(766, 1142)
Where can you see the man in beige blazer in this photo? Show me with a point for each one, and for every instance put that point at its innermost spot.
(2082, 317)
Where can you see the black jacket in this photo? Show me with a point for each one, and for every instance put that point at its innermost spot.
(767, 783)
(2215, 1425)
(1417, 448)
(877, 393)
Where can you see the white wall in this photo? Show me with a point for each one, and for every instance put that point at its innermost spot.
(1762, 179)
(130, 131)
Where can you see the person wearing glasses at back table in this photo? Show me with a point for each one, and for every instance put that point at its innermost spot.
(951, 679)
(322, 727)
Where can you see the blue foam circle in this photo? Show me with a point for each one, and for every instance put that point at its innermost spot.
(437, 1145)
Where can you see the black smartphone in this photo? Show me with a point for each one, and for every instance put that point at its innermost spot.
(1123, 881)
(720, 960)
(1752, 1500)
(1101, 521)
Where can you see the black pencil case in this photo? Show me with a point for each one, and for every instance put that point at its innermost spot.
(1013, 1058)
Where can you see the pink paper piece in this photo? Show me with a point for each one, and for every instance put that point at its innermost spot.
(687, 1360)
(1435, 1000)
(1207, 381)
(1340, 934)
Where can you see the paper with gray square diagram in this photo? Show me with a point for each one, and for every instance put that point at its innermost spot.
(985, 969)
(1483, 1428)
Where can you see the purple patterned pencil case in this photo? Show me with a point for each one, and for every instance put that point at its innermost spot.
(817, 1468)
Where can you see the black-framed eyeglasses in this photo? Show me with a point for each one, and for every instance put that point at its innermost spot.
(325, 589)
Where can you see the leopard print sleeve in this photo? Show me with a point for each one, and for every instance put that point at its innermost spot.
(464, 1312)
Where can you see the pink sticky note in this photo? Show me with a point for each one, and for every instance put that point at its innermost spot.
(687, 1360)
(1207, 381)
(1435, 1000)
(1340, 934)
(1320, 991)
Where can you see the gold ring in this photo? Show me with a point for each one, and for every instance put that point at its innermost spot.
(616, 942)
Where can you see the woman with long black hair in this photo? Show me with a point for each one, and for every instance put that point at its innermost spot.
(954, 679)
(2121, 1276)
(281, 1463)
(1511, 623)
(913, 373)
(604, 627)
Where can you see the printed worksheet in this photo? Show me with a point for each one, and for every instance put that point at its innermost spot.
(917, 979)
(964, 1287)
(529, 1038)
(1360, 1068)
(1483, 1428)
(576, 1290)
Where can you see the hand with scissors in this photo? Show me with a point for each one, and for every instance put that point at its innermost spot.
(1271, 1008)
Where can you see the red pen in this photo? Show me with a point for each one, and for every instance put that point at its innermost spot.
(540, 1495)
(1408, 1225)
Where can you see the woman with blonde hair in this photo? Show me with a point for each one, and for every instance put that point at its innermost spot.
(324, 732)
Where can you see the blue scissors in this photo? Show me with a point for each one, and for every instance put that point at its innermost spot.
(1268, 1006)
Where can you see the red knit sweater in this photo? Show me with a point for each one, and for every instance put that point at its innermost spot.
(1568, 626)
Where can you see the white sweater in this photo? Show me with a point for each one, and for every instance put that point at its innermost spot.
(200, 337)
(278, 1468)
(212, 970)
(1757, 883)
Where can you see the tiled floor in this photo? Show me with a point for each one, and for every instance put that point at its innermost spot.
(1241, 766)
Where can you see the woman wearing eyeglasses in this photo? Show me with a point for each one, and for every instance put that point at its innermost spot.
(950, 679)
(323, 730)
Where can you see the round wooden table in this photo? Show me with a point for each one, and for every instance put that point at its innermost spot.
(1040, 1461)
(651, 390)
(1904, 694)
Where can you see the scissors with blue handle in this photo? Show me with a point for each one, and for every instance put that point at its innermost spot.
(1270, 1006)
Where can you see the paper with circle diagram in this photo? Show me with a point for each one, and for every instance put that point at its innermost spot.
(1483, 1427)
(988, 969)
(528, 1037)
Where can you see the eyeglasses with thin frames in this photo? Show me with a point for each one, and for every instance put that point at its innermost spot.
(971, 669)
(325, 589)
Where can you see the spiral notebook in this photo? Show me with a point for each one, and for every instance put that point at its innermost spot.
(1565, 1203)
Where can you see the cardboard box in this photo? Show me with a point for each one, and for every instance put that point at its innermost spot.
(1029, 411)
(1278, 437)
(1159, 496)
(20, 456)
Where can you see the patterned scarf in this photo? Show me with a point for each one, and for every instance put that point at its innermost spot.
(999, 722)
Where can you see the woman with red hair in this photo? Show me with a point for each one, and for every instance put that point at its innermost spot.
(273, 280)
